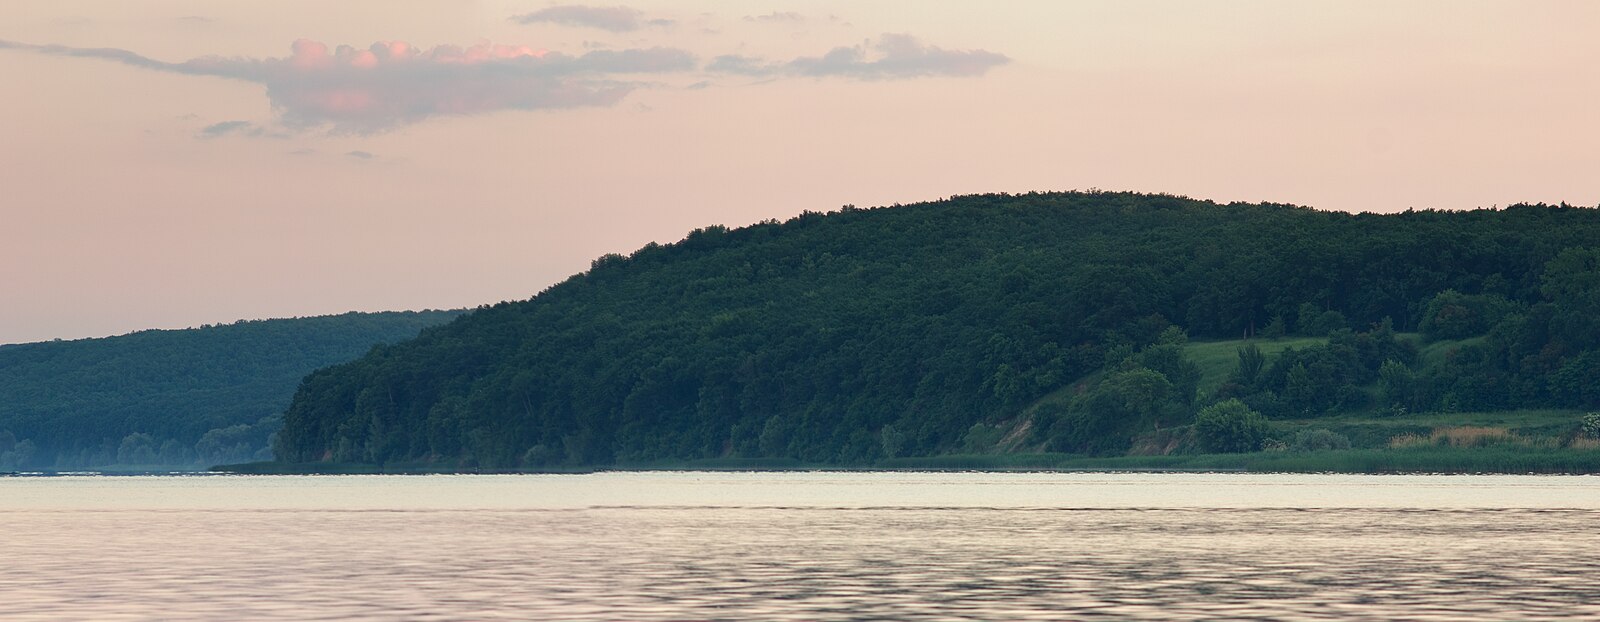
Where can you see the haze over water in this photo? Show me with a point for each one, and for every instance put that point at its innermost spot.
(800, 546)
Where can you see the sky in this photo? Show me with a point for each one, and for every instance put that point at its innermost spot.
(173, 163)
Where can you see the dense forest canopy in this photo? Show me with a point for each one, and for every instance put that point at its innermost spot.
(850, 336)
(210, 394)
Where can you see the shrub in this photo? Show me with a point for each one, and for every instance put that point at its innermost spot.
(1319, 440)
(1104, 419)
(893, 441)
(1251, 361)
(1230, 427)
(982, 438)
(1591, 425)
(1453, 315)
(1397, 383)
(1275, 329)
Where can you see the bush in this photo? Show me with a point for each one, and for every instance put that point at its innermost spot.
(1453, 315)
(1104, 420)
(1319, 440)
(1573, 383)
(1315, 322)
(1591, 425)
(981, 438)
(1397, 383)
(1275, 329)
(893, 441)
(1229, 427)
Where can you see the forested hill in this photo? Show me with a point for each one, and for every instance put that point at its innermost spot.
(152, 397)
(849, 336)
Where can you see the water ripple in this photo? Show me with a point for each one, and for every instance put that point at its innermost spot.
(737, 563)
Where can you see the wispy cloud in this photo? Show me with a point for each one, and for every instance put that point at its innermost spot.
(240, 128)
(612, 18)
(790, 17)
(121, 56)
(349, 90)
(895, 56)
(229, 127)
(391, 84)
(360, 155)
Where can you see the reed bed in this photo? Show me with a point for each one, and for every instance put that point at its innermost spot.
(1462, 437)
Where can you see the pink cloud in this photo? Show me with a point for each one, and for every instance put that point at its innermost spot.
(309, 54)
(389, 84)
(393, 83)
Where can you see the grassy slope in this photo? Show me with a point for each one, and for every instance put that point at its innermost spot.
(1217, 359)
(1369, 431)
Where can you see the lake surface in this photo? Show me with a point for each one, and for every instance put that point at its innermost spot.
(801, 546)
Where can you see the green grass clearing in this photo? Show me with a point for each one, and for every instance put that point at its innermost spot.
(1217, 359)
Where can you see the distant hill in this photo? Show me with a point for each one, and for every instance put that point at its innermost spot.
(935, 328)
(211, 394)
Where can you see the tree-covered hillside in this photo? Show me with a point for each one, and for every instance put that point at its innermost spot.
(212, 394)
(852, 336)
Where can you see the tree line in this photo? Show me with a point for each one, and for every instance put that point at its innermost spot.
(855, 335)
(207, 395)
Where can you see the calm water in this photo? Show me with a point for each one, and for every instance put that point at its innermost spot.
(801, 546)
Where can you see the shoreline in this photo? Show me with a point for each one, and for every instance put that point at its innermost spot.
(1426, 460)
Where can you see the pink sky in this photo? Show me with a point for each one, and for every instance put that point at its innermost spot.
(170, 163)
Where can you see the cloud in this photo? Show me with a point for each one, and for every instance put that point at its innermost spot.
(239, 128)
(777, 17)
(391, 84)
(898, 56)
(360, 155)
(121, 56)
(743, 65)
(612, 18)
(229, 127)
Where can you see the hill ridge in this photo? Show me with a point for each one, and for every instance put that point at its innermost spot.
(864, 333)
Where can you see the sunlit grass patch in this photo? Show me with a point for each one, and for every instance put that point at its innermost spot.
(1467, 437)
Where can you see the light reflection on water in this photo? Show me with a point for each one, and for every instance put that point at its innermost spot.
(801, 546)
